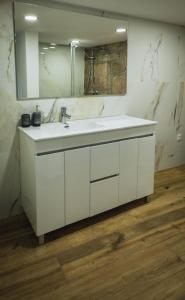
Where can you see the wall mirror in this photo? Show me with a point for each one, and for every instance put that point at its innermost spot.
(62, 53)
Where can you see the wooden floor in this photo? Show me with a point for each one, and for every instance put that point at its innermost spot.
(134, 252)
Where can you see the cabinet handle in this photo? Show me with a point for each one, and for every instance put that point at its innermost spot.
(104, 178)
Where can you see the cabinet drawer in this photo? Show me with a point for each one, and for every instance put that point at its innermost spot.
(104, 160)
(103, 195)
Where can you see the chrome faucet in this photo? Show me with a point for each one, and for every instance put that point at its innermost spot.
(64, 116)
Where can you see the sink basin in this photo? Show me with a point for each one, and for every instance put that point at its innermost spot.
(55, 130)
(90, 125)
(82, 125)
(119, 122)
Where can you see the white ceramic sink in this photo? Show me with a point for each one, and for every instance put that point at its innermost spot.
(87, 126)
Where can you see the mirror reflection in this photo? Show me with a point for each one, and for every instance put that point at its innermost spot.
(61, 53)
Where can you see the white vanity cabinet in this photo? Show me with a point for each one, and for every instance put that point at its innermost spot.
(73, 177)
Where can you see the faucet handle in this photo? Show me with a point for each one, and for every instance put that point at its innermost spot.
(68, 116)
(63, 109)
(64, 113)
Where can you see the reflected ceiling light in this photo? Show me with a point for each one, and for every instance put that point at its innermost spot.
(31, 18)
(52, 47)
(120, 29)
(53, 44)
(42, 53)
(45, 48)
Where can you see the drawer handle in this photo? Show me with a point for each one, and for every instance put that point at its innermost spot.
(104, 178)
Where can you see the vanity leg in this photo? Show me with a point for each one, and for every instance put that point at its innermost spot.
(41, 239)
(147, 199)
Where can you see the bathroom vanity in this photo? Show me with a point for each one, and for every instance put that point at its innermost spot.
(94, 165)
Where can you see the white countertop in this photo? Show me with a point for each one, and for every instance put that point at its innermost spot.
(87, 126)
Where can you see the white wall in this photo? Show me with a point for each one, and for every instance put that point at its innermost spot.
(156, 90)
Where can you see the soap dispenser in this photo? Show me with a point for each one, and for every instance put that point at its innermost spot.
(36, 117)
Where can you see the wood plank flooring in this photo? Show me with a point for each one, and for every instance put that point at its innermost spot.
(134, 252)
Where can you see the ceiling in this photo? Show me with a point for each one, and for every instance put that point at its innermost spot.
(170, 11)
(55, 26)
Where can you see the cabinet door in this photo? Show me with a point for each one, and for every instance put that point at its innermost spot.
(77, 184)
(104, 160)
(146, 165)
(103, 195)
(49, 192)
(128, 170)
